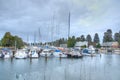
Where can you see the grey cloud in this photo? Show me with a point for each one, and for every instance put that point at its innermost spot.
(24, 17)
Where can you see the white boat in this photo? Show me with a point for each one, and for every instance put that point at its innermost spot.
(33, 54)
(85, 52)
(76, 54)
(1, 54)
(6, 53)
(59, 53)
(91, 49)
(21, 54)
(88, 51)
(46, 53)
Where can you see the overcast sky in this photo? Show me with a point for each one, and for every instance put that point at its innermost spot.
(25, 18)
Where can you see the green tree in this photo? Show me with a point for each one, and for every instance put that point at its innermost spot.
(117, 37)
(96, 38)
(84, 46)
(98, 45)
(108, 36)
(78, 39)
(88, 38)
(82, 38)
(0, 43)
(18, 41)
(9, 41)
(71, 41)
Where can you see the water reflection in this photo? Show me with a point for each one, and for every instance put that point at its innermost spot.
(104, 67)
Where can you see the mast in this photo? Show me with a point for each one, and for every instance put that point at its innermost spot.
(39, 35)
(58, 32)
(28, 39)
(52, 28)
(15, 45)
(34, 38)
(68, 25)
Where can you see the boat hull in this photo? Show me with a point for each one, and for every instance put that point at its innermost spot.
(45, 54)
(60, 55)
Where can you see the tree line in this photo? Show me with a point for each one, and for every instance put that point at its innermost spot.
(9, 40)
(108, 37)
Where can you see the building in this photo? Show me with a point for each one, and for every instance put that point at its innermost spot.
(110, 45)
(63, 45)
(79, 45)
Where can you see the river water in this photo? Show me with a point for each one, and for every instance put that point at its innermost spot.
(104, 67)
